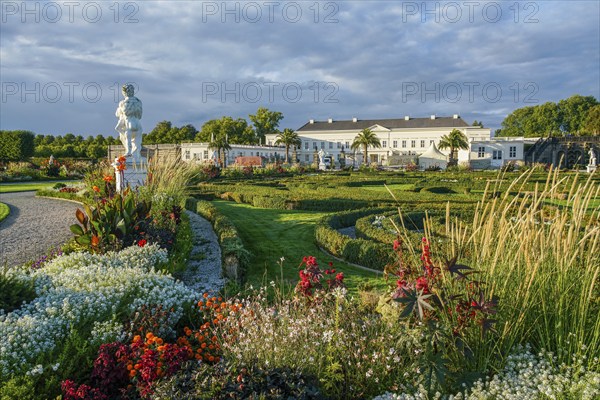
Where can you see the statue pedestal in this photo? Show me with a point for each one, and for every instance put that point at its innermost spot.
(591, 168)
(134, 177)
(322, 166)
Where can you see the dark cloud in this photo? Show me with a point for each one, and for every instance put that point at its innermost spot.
(372, 54)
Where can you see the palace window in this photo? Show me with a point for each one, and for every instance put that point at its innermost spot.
(330, 145)
(422, 143)
(413, 143)
(395, 143)
(347, 145)
(187, 154)
(306, 145)
(384, 143)
(205, 154)
(323, 145)
(512, 151)
(339, 145)
(481, 152)
(306, 157)
(497, 154)
(404, 143)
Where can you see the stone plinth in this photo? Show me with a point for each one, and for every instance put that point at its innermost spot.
(591, 168)
(134, 178)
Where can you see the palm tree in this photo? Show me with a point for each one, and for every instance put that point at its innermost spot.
(220, 144)
(288, 138)
(454, 140)
(364, 139)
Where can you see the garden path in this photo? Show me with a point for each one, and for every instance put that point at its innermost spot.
(204, 272)
(33, 227)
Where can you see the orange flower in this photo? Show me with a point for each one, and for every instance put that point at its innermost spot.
(95, 240)
(108, 178)
(121, 167)
(149, 335)
(132, 373)
(96, 189)
(121, 159)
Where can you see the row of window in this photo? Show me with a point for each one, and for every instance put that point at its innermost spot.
(497, 154)
(196, 156)
(384, 144)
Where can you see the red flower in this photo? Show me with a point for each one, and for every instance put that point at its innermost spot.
(108, 178)
(330, 264)
(142, 242)
(422, 284)
(396, 245)
(96, 189)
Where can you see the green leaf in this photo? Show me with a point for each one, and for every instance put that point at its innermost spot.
(84, 240)
(76, 229)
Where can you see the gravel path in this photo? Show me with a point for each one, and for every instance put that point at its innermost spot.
(204, 272)
(350, 231)
(33, 226)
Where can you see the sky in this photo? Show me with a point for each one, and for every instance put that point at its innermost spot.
(62, 63)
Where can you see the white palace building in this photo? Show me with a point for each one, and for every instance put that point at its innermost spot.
(403, 140)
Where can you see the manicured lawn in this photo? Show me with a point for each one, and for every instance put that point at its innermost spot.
(394, 187)
(4, 211)
(29, 186)
(271, 234)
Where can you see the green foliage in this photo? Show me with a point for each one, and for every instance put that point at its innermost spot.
(230, 381)
(4, 211)
(14, 290)
(106, 225)
(164, 132)
(233, 131)
(21, 387)
(72, 146)
(180, 253)
(265, 122)
(16, 145)
(359, 251)
(569, 116)
(592, 121)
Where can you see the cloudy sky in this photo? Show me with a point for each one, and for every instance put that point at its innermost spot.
(62, 64)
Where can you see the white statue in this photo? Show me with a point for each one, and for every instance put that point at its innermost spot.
(129, 127)
(592, 158)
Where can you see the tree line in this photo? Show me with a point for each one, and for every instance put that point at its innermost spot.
(577, 115)
(20, 144)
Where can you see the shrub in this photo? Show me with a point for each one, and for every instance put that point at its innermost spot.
(14, 290)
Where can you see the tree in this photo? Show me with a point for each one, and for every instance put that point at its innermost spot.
(477, 123)
(220, 144)
(454, 140)
(517, 123)
(288, 138)
(574, 112)
(265, 122)
(545, 120)
(364, 139)
(16, 145)
(592, 121)
(236, 131)
(159, 134)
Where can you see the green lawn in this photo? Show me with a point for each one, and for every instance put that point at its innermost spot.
(271, 234)
(400, 187)
(29, 186)
(4, 211)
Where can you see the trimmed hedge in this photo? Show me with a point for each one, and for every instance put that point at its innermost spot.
(359, 251)
(235, 257)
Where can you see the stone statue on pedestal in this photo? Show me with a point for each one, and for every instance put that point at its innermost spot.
(129, 113)
(593, 161)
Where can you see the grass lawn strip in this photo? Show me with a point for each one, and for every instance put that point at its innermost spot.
(271, 234)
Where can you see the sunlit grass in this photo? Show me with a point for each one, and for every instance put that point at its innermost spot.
(271, 234)
(29, 186)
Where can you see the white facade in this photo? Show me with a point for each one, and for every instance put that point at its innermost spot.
(496, 152)
(201, 153)
(401, 137)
